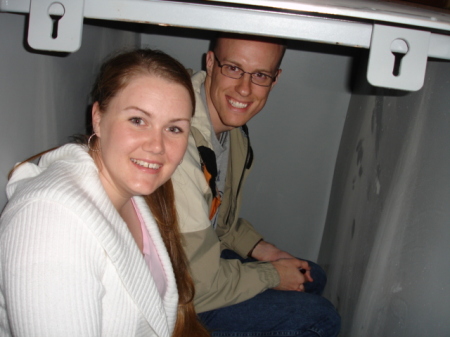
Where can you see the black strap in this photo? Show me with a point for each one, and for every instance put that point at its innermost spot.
(209, 163)
(249, 159)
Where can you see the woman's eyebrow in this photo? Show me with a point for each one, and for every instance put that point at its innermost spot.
(138, 109)
(149, 114)
(180, 120)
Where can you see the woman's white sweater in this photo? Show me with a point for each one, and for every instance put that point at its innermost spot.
(68, 263)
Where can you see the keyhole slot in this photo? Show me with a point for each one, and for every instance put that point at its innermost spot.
(399, 49)
(56, 12)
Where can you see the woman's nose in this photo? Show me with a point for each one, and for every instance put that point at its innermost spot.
(155, 143)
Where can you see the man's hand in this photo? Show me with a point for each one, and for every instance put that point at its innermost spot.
(292, 271)
(290, 276)
(265, 251)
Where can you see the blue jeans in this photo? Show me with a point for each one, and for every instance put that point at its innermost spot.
(277, 313)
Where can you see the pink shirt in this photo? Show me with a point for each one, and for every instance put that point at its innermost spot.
(151, 257)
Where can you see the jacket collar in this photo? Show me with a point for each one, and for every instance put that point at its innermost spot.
(201, 123)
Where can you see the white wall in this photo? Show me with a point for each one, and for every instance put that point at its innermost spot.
(43, 100)
(386, 244)
(295, 138)
(43, 96)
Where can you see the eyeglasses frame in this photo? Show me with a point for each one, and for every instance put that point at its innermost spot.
(273, 78)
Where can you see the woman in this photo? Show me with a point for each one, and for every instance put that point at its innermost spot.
(81, 253)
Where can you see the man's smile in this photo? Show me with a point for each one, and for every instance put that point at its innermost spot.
(236, 104)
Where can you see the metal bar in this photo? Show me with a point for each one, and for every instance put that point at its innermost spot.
(214, 16)
(240, 20)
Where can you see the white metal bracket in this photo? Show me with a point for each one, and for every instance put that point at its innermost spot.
(386, 42)
(404, 70)
(56, 25)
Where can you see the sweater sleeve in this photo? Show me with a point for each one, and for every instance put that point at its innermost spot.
(51, 272)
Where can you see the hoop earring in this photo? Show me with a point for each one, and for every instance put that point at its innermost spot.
(89, 143)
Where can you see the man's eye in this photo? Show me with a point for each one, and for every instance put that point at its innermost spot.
(233, 68)
(261, 76)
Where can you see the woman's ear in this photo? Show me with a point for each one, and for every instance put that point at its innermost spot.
(96, 118)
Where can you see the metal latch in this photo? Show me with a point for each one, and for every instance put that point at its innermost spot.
(56, 25)
(398, 57)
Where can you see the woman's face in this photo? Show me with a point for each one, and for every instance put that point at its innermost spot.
(143, 135)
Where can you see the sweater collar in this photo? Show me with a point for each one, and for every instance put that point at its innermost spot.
(79, 188)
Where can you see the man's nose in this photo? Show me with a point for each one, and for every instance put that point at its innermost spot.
(244, 86)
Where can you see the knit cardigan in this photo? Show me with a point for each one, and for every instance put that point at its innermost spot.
(68, 263)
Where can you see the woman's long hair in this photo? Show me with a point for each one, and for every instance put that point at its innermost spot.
(114, 75)
(162, 205)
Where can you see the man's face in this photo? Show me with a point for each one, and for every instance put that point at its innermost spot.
(233, 102)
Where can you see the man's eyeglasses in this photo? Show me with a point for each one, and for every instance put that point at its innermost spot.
(257, 78)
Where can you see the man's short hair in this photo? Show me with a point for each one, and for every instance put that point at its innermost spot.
(270, 39)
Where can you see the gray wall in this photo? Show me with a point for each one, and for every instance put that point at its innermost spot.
(386, 244)
(44, 96)
(371, 167)
(295, 138)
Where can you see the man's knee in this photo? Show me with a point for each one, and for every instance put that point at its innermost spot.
(326, 319)
(320, 279)
(329, 326)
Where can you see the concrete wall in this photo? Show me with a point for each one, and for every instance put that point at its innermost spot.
(295, 138)
(44, 96)
(386, 244)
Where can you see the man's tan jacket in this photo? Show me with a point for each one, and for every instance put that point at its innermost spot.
(218, 282)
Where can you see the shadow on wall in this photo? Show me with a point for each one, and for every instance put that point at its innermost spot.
(387, 230)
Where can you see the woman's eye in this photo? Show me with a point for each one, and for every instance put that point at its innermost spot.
(174, 129)
(137, 121)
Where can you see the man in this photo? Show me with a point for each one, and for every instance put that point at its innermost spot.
(235, 291)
